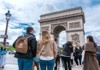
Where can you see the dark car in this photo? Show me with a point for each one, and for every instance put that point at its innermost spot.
(12, 52)
(98, 54)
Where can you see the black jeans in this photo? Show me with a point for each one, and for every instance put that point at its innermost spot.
(71, 61)
(56, 61)
(78, 58)
(67, 63)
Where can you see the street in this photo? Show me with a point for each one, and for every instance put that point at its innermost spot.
(10, 59)
(11, 64)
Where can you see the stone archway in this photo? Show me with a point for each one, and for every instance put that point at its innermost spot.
(56, 31)
(70, 20)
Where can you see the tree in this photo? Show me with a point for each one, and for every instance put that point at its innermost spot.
(9, 48)
(1, 45)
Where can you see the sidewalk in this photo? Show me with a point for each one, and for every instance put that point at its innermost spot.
(73, 68)
(15, 67)
(10, 67)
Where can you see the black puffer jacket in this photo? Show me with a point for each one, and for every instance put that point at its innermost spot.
(32, 43)
(67, 49)
(78, 51)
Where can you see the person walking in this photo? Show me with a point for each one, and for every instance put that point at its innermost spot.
(78, 55)
(90, 61)
(3, 57)
(0, 57)
(66, 55)
(26, 50)
(57, 60)
(49, 52)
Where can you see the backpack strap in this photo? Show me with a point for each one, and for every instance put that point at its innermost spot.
(29, 48)
(29, 36)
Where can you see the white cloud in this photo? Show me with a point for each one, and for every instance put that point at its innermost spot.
(30, 11)
(23, 11)
(92, 18)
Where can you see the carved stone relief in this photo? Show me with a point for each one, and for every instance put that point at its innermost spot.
(53, 26)
(75, 39)
(45, 28)
(74, 25)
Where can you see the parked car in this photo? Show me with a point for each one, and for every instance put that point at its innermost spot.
(98, 54)
(12, 52)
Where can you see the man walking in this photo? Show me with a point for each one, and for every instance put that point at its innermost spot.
(66, 55)
(25, 60)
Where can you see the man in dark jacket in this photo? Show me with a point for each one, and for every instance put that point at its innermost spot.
(66, 55)
(25, 61)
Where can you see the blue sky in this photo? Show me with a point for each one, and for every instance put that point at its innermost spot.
(26, 12)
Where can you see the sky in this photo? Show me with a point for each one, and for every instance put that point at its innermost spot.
(27, 13)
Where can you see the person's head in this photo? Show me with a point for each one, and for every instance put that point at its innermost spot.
(90, 39)
(29, 30)
(69, 43)
(55, 39)
(3, 47)
(45, 36)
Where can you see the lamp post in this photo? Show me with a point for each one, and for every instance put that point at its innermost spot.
(8, 15)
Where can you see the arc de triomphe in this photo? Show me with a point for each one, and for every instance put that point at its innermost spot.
(71, 20)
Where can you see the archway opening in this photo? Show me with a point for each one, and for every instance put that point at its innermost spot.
(60, 35)
(62, 38)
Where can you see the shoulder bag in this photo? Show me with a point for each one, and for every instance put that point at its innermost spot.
(37, 58)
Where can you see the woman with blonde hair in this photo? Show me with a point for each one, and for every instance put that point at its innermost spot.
(49, 51)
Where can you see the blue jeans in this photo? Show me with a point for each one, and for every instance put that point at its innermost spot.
(25, 64)
(2, 60)
(49, 64)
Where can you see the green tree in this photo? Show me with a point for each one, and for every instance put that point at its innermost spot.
(1, 45)
(9, 48)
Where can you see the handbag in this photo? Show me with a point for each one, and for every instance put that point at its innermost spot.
(37, 58)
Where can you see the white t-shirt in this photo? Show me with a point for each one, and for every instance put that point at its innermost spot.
(46, 58)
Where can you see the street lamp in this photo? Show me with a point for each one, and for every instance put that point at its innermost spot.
(8, 15)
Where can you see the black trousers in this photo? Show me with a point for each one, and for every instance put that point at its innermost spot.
(56, 61)
(67, 63)
(71, 61)
(78, 58)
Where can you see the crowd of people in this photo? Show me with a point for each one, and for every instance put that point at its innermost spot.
(45, 53)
